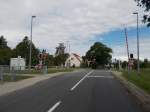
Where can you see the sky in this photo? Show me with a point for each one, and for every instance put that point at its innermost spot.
(81, 22)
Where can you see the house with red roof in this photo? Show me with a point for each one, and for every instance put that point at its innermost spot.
(73, 60)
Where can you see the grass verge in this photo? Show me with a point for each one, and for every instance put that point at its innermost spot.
(50, 70)
(142, 80)
(60, 70)
(8, 78)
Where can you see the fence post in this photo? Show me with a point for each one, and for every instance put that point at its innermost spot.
(1, 73)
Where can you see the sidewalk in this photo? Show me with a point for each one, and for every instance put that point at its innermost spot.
(141, 96)
(9, 87)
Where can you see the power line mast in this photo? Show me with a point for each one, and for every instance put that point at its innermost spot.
(69, 47)
(127, 46)
(127, 43)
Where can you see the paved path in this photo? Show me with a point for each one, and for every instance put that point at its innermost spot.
(83, 91)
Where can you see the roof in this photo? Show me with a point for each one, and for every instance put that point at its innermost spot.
(77, 56)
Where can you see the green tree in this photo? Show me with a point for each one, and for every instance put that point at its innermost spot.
(100, 54)
(60, 59)
(5, 52)
(144, 64)
(84, 63)
(23, 48)
(50, 60)
(146, 5)
(124, 64)
(3, 42)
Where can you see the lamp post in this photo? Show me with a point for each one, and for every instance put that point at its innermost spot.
(30, 55)
(138, 61)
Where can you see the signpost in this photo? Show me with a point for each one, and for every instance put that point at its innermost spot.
(42, 62)
(131, 62)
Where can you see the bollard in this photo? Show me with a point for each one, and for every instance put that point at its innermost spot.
(1, 73)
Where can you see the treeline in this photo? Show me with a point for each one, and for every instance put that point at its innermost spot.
(143, 64)
(22, 49)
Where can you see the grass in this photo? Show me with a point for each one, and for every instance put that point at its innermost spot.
(142, 80)
(8, 78)
(60, 70)
(50, 70)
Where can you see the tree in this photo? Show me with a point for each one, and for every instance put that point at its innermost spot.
(145, 64)
(100, 54)
(60, 59)
(3, 42)
(124, 64)
(5, 52)
(50, 60)
(84, 63)
(23, 48)
(146, 5)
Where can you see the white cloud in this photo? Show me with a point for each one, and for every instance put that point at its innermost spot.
(120, 51)
(57, 21)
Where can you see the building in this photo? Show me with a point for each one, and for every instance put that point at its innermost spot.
(60, 49)
(17, 63)
(73, 60)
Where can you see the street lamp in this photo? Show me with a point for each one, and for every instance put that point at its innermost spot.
(31, 42)
(138, 61)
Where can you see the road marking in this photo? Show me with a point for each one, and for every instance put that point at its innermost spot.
(100, 77)
(54, 107)
(80, 81)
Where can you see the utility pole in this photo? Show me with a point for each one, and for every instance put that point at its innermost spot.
(138, 60)
(127, 46)
(30, 55)
(68, 47)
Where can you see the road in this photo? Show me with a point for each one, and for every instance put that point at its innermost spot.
(83, 91)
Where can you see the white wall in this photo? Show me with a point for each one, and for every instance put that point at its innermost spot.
(72, 60)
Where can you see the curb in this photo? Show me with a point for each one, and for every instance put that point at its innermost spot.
(138, 93)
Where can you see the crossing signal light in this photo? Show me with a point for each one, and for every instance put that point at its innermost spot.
(131, 56)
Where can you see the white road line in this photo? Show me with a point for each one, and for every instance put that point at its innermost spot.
(80, 81)
(100, 77)
(54, 107)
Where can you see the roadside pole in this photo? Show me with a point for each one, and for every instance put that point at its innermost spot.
(138, 60)
(30, 55)
(127, 49)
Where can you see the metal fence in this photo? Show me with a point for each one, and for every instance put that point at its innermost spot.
(13, 71)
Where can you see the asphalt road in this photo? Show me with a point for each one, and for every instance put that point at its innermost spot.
(83, 91)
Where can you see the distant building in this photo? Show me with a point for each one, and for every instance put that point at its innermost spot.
(60, 49)
(73, 60)
(17, 63)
